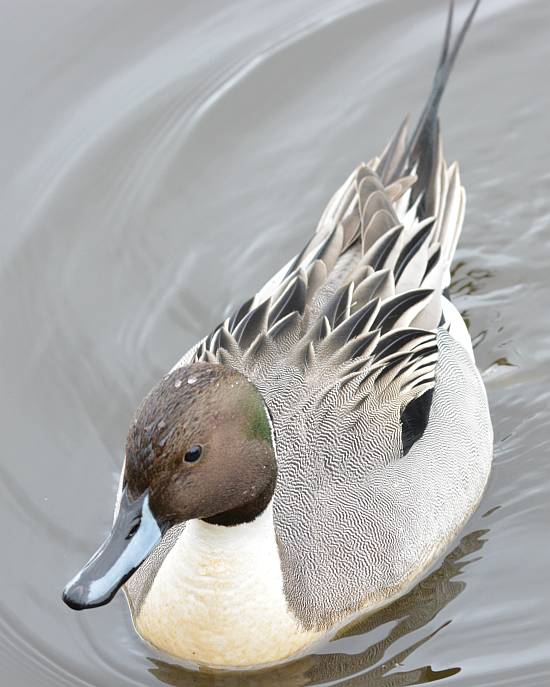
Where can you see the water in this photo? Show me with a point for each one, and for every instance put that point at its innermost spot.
(159, 161)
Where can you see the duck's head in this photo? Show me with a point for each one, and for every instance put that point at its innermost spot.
(201, 446)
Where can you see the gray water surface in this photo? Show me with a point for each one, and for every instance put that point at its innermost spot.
(158, 161)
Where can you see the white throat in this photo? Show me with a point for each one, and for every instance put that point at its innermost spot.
(218, 598)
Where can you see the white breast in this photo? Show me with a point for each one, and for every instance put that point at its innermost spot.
(218, 598)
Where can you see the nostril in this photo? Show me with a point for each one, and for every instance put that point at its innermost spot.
(134, 529)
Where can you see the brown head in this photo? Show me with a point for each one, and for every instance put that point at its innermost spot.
(201, 446)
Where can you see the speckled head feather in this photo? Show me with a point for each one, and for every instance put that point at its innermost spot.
(201, 444)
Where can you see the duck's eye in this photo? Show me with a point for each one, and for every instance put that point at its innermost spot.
(193, 454)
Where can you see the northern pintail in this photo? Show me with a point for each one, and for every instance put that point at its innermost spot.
(309, 459)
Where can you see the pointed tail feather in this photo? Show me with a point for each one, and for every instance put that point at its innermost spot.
(421, 151)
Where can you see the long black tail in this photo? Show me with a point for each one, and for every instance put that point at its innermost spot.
(420, 151)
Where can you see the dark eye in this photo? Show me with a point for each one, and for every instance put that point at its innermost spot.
(193, 454)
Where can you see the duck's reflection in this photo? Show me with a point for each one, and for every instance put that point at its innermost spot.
(345, 659)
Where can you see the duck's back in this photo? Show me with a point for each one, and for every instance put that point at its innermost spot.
(382, 428)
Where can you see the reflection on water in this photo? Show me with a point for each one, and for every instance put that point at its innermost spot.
(347, 660)
(467, 281)
(158, 162)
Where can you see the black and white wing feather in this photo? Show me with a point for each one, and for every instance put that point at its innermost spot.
(349, 325)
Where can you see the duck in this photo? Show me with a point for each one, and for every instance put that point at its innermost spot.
(306, 462)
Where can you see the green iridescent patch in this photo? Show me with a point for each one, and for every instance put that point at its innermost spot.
(258, 422)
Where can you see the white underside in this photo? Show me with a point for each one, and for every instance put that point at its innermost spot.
(218, 598)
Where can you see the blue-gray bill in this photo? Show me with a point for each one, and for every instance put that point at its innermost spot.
(134, 535)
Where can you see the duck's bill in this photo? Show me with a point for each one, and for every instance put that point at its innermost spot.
(134, 535)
